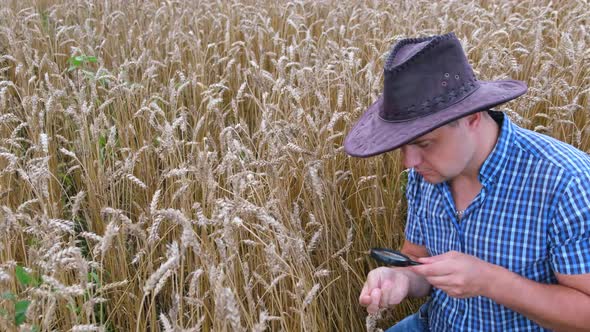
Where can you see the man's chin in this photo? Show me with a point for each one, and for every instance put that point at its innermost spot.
(432, 178)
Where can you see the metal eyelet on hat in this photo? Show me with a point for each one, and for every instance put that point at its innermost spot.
(444, 83)
(447, 75)
(456, 77)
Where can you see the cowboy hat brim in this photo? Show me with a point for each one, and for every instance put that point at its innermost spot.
(372, 135)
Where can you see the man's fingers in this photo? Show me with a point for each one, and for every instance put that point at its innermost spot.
(375, 300)
(437, 258)
(384, 287)
(439, 281)
(365, 297)
(386, 291)
(374, 279)
(439, 268)
(365, 300)
(430, 259)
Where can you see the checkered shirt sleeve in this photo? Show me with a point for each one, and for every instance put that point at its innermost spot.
(569, 233)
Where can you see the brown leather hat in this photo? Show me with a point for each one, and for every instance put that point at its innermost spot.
(428, 83)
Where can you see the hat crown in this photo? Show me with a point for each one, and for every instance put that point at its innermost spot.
(425, 75)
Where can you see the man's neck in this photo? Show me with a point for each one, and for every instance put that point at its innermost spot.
(487, 140)
(466, 186)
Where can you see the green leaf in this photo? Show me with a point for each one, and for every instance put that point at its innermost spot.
(74, 309)
(21, 306)
(88, 73)
(20, 311)
(19, 318)
(37, 281)
(79, 60)
(8, 296)
(75, 61)
(33, 242)
(35, 328)
(92, 276)
(102, 141)
(45, 19)
(23, 277)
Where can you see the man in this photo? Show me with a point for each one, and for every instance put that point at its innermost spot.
(498, 215)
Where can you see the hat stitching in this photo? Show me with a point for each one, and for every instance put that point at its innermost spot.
(413, 113)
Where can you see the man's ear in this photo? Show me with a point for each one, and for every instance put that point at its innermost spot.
(473, 120)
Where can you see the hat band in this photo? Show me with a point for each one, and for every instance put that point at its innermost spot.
(429, 106)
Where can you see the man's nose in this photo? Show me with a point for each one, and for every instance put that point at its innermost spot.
(411, 157)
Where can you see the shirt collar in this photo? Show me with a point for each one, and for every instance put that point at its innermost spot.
(495, 162)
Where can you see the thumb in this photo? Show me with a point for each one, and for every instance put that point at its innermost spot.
(431, 259)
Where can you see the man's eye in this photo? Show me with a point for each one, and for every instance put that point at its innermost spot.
(423, 145)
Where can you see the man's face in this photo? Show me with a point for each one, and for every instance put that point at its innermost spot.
(441, 154)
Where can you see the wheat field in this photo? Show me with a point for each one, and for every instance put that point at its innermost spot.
(178, 165)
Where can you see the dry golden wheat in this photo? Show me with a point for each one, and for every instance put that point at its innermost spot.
(178, 165)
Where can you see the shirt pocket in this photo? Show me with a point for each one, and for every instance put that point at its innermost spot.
(440, 235)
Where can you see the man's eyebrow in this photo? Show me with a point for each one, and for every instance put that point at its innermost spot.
(418, 141)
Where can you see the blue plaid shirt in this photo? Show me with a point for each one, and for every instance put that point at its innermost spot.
(532, 217)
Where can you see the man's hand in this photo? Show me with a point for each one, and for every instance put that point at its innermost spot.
(384, 288)
(457, 274)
